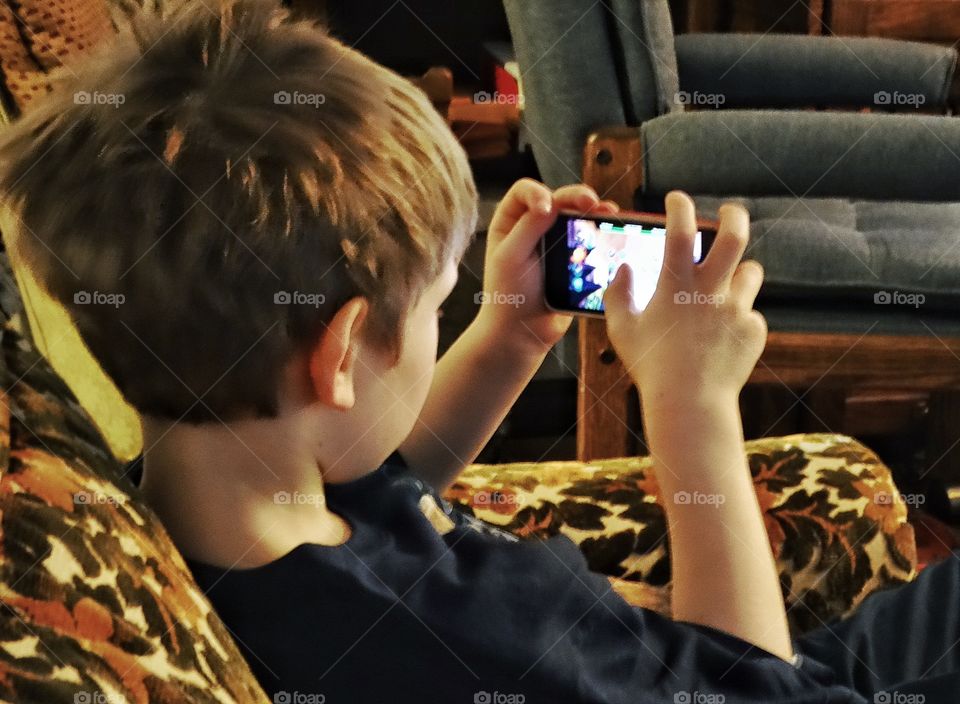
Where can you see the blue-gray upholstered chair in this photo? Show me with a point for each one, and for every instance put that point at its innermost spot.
(849, 209)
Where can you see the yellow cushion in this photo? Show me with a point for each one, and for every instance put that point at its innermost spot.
(57, 339)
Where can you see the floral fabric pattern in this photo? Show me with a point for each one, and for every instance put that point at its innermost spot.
(837, 524)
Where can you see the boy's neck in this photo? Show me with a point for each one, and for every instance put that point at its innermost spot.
(240, 494)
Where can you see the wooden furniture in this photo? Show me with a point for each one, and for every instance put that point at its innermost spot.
(754, 16)
(486, 129)
(936, 21)
(437, 83)
(918, 20)
(837, 376)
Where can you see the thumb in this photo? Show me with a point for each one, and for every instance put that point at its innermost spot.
(618, 298)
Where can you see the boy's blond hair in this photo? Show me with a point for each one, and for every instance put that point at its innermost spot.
(206, 194)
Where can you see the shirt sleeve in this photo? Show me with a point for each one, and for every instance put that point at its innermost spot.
(566, 631)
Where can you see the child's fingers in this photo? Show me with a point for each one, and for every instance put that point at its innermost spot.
(760, 323)
(729, 246)
(681, 234)
(604, 207)
(618, 298)
(525, 196)
(575, 197)
(746, 283)
(528, 227)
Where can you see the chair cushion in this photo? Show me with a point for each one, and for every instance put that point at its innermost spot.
(585, 64)
(36, 36)
(98, 605)
(883, 256)
(647, 58)
(836, 521)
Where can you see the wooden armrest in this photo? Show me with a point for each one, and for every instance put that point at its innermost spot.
(613, 163)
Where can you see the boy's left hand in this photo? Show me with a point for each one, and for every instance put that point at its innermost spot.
(513, 306)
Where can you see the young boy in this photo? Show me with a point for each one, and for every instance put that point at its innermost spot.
(284, 219)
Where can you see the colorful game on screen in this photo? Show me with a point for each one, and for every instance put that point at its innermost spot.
(597, 249)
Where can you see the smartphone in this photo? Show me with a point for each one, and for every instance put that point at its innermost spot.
(581, 254)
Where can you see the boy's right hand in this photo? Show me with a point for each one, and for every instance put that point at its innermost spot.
(699, 338)
(690, 352)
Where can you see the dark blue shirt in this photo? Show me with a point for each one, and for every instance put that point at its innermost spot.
(411, 609)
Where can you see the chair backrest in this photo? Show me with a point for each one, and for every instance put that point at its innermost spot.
(587, 64)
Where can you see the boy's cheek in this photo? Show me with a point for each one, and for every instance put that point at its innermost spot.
(405, 386)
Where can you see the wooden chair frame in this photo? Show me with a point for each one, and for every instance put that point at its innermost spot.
(837, 364)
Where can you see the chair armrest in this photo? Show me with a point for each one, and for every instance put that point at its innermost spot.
(814, 490)
(830, 154)
(747, 70)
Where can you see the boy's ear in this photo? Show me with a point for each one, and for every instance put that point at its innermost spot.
(332, 360)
